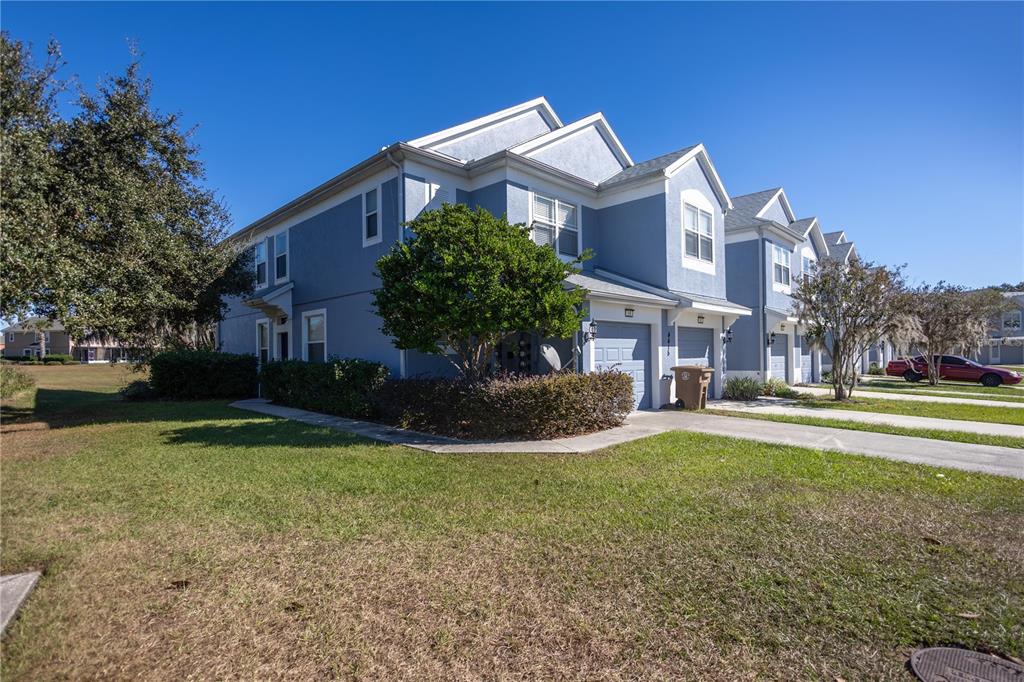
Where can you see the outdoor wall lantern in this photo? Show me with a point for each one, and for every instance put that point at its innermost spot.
(700, 319)
(629, 312)
(782, 326)
(727, 335)
(771, 338)
(591, 332)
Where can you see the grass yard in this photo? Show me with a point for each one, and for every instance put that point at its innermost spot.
(937, 434)
(919, 408)
(193, 540)
(972, 391)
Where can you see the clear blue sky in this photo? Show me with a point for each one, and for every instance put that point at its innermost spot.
(900, 123)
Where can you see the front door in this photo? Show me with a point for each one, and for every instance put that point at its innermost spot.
(282, 345)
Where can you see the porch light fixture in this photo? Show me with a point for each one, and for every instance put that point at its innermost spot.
(591, 332)
(771, 338)
(782, 326)
(700, 319)
(727, 335)
(629, 312)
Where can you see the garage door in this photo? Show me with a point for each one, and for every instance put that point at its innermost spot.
(780, 359)
(696, 347)
(805, 361)
(627, 348)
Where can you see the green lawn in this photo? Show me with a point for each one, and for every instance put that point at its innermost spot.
(1013, 368)
(937, 434)
(972, 391)
(194, 540)
(919, 408)
(939, 393)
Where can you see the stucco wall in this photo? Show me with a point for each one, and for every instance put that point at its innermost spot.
(585, 154)
(680, 275)
(496, 137)
(631, 239)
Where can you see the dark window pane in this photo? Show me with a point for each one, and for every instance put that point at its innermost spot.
(315, 352)
(543, 235)
(692, 245)
(706, 249)
(263, 356)
(282, 266)
(568, 242)
(261, 273)
(371, 226)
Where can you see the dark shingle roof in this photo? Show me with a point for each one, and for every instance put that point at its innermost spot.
(35, 324)
(746, 206)
(802, 225)
(840, 251)
(832, 238)
(655, 165)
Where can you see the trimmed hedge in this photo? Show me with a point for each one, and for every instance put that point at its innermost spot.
(201, 375)
(13, 380)
(519, 407)
(59, 358)
(341, 387)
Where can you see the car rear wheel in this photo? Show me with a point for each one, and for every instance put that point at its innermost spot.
(991, 380)
(911, 376)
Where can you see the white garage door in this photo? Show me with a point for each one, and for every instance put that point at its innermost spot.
(780, 357)
(627, 348)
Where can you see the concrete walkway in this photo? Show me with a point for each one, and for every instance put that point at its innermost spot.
(874, 393)
(14, 590)
(969, 457)
(791, 408)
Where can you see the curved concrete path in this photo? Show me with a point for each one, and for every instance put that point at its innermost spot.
(874, 393)
(791, 408)
(969, 457)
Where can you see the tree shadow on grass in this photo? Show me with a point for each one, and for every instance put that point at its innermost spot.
(62, 408)
(276, 433)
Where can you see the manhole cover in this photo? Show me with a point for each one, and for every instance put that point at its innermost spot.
(944, 664)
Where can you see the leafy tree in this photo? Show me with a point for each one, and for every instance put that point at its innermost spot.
(465, 281)
(847, 308)
(107, 226)
(946, 318)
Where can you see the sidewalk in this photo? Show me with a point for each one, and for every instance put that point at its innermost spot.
(814, 390)
(969, 457)
(792, 408)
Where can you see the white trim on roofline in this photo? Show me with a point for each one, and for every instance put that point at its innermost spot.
(700, 153)
(596, 120)
(784, 200)
(540, 104)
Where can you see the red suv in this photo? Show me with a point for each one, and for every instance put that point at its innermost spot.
(952, 368)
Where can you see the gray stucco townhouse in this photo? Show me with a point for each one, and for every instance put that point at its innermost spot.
(657, 285)
(1006, 337)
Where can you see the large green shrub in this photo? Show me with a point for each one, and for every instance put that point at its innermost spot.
(742, 388)
(518, 407)
(778, 388)
(13, 380)
(59, 359)
(199, 375)
(340, 387)
(876, 370)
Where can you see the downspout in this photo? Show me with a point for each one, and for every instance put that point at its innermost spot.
(761, 303)
(400, 213)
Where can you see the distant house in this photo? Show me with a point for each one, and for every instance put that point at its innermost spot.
(38, 337)
(1006, 338)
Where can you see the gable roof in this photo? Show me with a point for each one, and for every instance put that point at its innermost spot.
(596, 120)
(747, 209)
(668, 165)
(832, 238)
(31, 324)
(539, 104)
(804, 225)
(842, 251)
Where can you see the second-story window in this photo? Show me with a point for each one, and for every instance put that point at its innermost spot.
(1011, 320)
(260, 258)
(371, 218)
(281, 256)
(807, 267)
(780, 261)
(556, 224)
(699, 227)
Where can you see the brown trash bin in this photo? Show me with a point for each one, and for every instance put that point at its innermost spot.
(692, 383)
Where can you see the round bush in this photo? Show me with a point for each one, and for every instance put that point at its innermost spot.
(201, 375)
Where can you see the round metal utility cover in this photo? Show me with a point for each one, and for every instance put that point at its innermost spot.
(944, 664)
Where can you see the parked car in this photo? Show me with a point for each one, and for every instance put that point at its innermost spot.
(952, 368)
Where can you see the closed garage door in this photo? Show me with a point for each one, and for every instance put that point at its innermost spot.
(805, 361)
(627, 348)
(780, 359)
(696, 347)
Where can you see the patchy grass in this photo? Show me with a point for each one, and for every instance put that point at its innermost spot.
(940, 394)
(937, 434)
(193, 540)
(1012, 368)
(920, 408)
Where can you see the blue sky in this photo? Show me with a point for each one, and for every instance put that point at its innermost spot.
(899, 123)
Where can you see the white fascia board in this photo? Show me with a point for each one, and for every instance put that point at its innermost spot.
(540, 104)
(770, 229)
(639, 300)
(701, 154)
(819, 239)
(596, 120)
(784, 200)
(739, 311)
